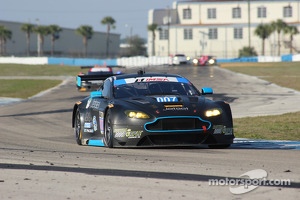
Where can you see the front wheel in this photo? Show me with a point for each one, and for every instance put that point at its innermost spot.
(78, 128)
(108, 131)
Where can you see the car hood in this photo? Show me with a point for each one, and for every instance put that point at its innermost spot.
(166, 105)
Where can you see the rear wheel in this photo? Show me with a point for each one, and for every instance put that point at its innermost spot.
(78, 128)
(108, 132)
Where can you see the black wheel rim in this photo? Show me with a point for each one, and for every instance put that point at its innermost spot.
(108, 132)
(78, 127)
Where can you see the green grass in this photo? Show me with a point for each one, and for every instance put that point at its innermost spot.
(286, 74)
(38, 70)
(277, 127)
(20, 88)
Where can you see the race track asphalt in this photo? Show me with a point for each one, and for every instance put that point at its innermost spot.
(39, 158)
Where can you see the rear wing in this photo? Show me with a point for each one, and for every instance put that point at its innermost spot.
(87, 78)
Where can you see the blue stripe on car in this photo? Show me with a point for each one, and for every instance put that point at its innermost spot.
(79, 81)
(182, 80)
(119, 82)
(98, 143)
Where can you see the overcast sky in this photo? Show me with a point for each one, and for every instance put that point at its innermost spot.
(129, 15)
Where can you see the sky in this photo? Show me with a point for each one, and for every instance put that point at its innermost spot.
(131, 16)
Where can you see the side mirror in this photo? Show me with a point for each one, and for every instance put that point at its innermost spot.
(207, 90)
(96, 94)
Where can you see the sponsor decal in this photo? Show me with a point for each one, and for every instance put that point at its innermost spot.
(88, 117)
(133, 134)
(221, 129)
(150, 79)
(120, 132)
(95, 104)
(176, 109)
(124, 132)
(87, 125)
(88, 130)
(101, 122)
(95, 123)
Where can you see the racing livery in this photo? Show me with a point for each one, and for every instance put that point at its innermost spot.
(151, 109)
(93, 78)
(205, 60)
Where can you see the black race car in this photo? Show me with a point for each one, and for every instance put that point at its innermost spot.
(151, 109)
(93, 78)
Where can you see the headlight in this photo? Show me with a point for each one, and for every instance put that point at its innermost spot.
(136, 114)
(211, 61)
(213, 113)
(195, 61)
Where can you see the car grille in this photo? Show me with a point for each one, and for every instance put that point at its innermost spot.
(178, 124)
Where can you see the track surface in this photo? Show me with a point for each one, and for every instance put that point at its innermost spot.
(40, 160)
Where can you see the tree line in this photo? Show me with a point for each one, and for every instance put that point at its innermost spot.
(53, 30)
(264, 31)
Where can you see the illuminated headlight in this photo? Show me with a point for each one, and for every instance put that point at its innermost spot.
(211, 61)
(195, 61)
(136, 114)
(212, 113)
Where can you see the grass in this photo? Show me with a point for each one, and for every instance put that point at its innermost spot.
(286, 74)
(278, 127)
(38, 70)
(20, 88)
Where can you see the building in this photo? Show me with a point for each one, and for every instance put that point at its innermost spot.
(69, 43)
(222, 27)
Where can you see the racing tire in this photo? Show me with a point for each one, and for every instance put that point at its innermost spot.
(108, 131)
(78, 128)
(219, 146)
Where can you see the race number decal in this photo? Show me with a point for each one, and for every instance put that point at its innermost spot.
(166, 99)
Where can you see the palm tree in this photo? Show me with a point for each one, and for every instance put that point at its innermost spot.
(153, 28)
(278, 26)
(28, 29)
(109, 22)
(86, 32)
(4, 35)
(54, 32)
(291, 30)
(263, 31)
(42, 31)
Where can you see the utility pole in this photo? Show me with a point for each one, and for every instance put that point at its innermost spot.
(38, 39)
(249, 17)
(169, 20)
(203, 43)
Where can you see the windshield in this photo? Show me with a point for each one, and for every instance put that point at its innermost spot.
(154, 88)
